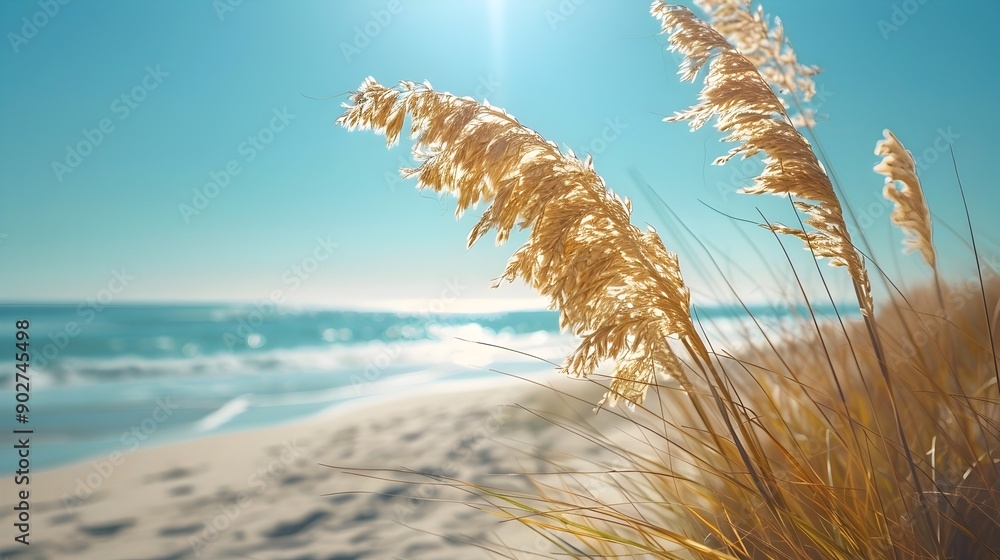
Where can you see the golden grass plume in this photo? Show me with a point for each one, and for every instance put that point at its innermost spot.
(911, 212)
(763, 42)
(615, 285)
(744, 106)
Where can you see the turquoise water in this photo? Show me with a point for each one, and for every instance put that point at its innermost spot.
(130, 376)
(124, 377)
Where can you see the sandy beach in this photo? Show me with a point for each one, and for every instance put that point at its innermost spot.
(266, 493)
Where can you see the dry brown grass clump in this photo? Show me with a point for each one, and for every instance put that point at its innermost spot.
(845, 489)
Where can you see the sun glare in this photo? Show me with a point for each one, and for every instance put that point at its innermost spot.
(496, 10)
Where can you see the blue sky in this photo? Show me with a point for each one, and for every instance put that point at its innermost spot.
(189, 146)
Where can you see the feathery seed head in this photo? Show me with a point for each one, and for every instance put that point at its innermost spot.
(746, 108)
(910, 213)
(764, 44)
(615, 286)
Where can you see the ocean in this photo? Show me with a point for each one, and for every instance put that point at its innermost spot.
(125, 377)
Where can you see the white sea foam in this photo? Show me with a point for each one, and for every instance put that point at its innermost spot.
(469, 345)
(225, 413)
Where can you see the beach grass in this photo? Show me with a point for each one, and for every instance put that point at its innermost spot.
(876, 436)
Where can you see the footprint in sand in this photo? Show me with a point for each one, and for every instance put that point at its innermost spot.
(293, 528)
(183, 490)
(172, 474)
(107, 529)
(181, 530)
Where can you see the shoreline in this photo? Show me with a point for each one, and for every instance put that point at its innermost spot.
(379, 397)
(265, 491)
